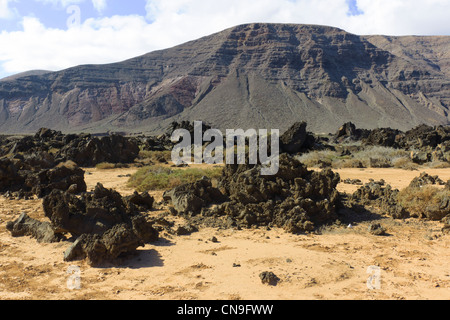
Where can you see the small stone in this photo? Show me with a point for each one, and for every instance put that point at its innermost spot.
(377, 229)
(214, 239)
(269, 278)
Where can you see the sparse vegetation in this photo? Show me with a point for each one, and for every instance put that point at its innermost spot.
(109, 166)
(377, 156)
(319, 158)
(404, 163)
(155, 156)
(370, 157)
(439, 165)
(159, 177)
(422, 201)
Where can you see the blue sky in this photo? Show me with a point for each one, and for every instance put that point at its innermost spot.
(50, 35)
(353, 9)
(54, 13)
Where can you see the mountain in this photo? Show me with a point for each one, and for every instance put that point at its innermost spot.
(250, 76)
(25, 74)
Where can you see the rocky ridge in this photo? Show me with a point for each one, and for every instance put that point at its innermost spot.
(250, 76)
(104, 226)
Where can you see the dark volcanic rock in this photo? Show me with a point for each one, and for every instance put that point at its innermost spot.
(293, 139)
(384, 197)
(294, 199)
(92, 213)
(296, 139)
(377, 229)
(10, 179)
(348, 133)
(48, 148)
(186, 230)
(190, 198)
(41, 231)
(63, 177)
(385, 137)
(159, 143)
(88, 151)
(269, 278)
(120, 240)
(23, 176)
(425, 179)
(425, 136)
(353, 181)
(48, 135)
(106, 224)
(425, 143)
(186, 125)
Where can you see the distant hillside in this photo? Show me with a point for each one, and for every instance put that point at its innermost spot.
(25, 74)
(249, 76)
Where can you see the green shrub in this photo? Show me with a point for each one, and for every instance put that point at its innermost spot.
(318, 158)
(162, 178)
(155, 156)
(109, 166)
(421, 202)
(439, 165)
(370, 157)
(377, 156)
(404, 163)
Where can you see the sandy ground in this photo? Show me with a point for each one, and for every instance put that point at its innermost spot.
(397, 178)
(412, 260)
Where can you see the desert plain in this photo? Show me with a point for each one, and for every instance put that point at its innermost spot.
(338, 263)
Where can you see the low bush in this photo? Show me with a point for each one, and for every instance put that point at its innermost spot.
(156, 156)
(404, 163)
(319, 158)
(371, 157)
(427, 201)
(109, 166)
(439, 165)
(158, 177)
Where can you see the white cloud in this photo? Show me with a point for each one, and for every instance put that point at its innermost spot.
(5, 11)
(99, 5)
(403, 17)
(390, 17)
(95, 41)
(180, 18)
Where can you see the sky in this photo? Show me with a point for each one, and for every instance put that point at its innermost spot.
(58, 34)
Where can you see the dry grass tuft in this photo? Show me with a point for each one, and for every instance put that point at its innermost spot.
(421, 201)
(158, 177)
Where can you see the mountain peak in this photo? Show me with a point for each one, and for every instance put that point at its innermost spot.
(256, 75)
(279, 27)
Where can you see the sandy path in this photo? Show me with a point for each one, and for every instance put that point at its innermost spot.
(112, 179)
(413, 260)
(397, 178)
